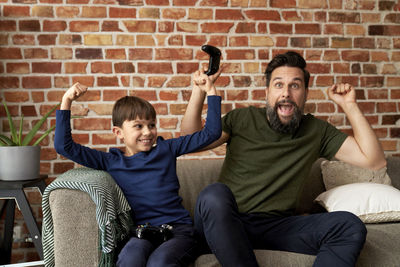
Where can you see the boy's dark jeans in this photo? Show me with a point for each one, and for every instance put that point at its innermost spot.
(180, 250)
(336, 238)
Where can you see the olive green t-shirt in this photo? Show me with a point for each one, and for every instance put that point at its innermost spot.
(265, 169)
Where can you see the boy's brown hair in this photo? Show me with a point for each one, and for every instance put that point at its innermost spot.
(130, 108)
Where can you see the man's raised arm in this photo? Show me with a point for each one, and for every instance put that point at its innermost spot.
(364, 149)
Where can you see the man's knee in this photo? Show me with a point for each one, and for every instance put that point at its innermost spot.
(351, 221)
(215, 190)
(215, 197)
(352, 227)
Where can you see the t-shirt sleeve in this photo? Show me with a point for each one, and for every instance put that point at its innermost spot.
(227, 125)
(331, 140)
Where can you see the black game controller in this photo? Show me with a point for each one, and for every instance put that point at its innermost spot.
(155, 234)
(215, 55)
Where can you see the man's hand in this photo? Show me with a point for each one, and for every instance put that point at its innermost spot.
(73, 93)
(204, 82)
(342, 94)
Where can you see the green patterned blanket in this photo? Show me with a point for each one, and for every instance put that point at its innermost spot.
(112, 211)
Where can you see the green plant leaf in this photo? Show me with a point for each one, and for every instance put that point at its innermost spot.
(28, 138)
(2, 143)
(5, 141)
(21, 125)
(44, 135)
(11, 124)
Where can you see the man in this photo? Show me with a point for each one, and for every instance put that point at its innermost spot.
(269, 154)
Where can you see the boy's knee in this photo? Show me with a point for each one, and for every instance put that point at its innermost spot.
(160, 259)
(135, 253)
(168, 258)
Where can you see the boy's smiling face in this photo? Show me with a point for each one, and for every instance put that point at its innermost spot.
(139, 135)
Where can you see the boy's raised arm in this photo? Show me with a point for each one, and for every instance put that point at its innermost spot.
(202, 85)
(74, 92)
(63, 142)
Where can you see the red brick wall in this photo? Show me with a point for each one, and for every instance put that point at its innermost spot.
(149, 48)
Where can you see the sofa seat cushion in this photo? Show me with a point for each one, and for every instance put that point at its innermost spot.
(382, 246)
(264, 258)
(380, 249)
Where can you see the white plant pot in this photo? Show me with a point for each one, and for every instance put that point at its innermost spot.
(19, 163)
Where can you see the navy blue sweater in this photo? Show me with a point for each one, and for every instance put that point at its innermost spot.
(148, 179)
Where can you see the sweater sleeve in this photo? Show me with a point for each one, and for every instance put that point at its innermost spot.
(210, 133)
(65, 145)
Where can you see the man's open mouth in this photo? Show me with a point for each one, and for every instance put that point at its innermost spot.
(285, 108)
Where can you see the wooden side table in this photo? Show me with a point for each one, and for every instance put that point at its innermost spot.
(13, 193)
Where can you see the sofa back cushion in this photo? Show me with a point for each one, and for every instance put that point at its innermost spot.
(393, 170)
(194, 175)
(312, 187)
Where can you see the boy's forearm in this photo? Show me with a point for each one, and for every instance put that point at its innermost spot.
(212, 91)
(65, 104)
(191, 121)
(213, 120)
(71, 94)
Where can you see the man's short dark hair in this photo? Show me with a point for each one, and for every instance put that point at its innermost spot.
(289, 59)
(130, 108)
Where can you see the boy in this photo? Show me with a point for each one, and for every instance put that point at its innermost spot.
(146, 170)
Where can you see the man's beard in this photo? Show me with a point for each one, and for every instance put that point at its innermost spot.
(276, 123)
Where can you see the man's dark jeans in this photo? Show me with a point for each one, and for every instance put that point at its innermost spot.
(336, 238)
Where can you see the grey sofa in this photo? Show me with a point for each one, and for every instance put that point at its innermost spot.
(76, 232)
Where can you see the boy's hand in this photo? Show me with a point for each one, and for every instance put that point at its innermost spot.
(204, 82)
(73, 93)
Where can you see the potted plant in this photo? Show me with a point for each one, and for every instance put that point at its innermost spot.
(20, 155)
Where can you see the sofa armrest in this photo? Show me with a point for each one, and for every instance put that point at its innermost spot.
(76, 233)
(85, 215)
(393, 170)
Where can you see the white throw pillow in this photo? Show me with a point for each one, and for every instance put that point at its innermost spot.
(371, 202)
(337, 173)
